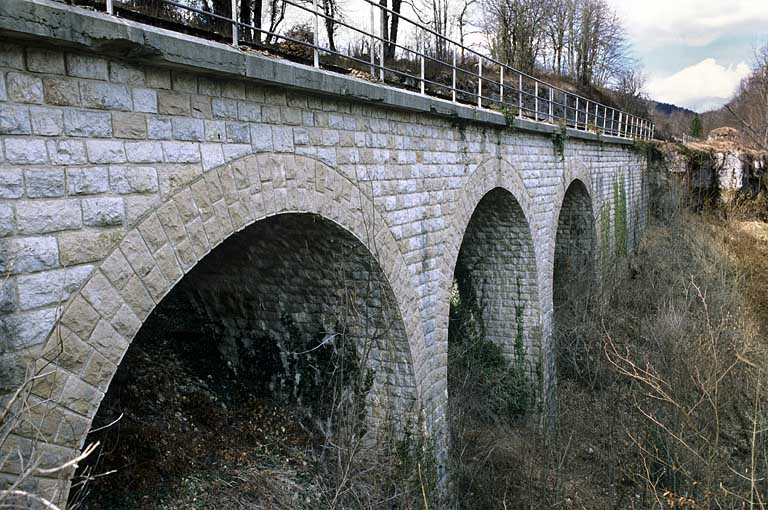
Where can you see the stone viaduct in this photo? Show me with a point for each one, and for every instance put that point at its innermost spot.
(131, 156)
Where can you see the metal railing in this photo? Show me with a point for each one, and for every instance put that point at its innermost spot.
(422, 60)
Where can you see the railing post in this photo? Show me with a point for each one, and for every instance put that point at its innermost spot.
(620, 125)
(605, 117)
(316, 52)
(520, 96)
(613, 122)
(421, 59)
(577, 113)
(551, 106)
(235, 38)
(501, 84)
(480, 82)
(453, 79)
(597, 123)
(110, 7)
(536, 100)
(373, 42)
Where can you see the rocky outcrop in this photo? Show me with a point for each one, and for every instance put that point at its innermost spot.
(724, 165)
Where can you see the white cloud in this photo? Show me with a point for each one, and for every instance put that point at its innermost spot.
(657, 23)
(702, 86)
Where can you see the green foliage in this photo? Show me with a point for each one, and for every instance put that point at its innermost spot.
(558, 140)
(697, 128)
(605, 232)
(620, 217)
(487, 383)
(415, 453)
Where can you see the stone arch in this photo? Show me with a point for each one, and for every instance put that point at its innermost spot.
(99, 321)
(573, 268)
(492, 237)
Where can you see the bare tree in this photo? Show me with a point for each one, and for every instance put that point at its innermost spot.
(750, 106)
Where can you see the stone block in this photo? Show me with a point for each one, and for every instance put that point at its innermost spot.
(87, 181)
(173, 103)
(106, 151)
(282, 139)
(215, 130)
(61, 91)
(11, 183)
(188, 129)
(117, 269)
(103, 211)
(209, 86)
(248, 112)
(50, 287)
(224, 108)
(184, 82)
(136, 206)
(87, 66)
(238, 132)
(24, 330)
(157, 78)
(212, 155)
(28, 254)
(125, 73)
(25, 151)
(67, 152)
(181, 152)
(125, 322)
(89, 124)
(9, 300)
(137, 254)
(137, 297)
(11, 55)
(261, 138)
(126, 180)
(42, 216)
(144, 152)
(82, 246)
(108, 342)
(129, 125)
(201, 107)
(159, 128)
(47, 121)
(46, 61)
(7, 220)
(3, 90)
(172, 178)
(14, 120)
(145, 100)
(100, 293)
(24, 88)
(44, 182)
(153, 233)
(105, 96)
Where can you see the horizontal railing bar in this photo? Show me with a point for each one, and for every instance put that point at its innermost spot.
(548, 106)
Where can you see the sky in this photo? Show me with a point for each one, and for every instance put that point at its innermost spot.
(694, 52)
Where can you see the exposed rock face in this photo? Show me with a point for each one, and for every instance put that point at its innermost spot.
(725, 164)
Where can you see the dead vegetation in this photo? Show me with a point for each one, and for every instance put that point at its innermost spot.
(662, 393)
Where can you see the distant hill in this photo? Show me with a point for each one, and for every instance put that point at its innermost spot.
(668, 109)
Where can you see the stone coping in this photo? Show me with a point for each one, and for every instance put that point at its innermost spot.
(56, 23)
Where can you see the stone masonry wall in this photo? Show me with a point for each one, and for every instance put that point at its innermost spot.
(302, 273)
(118, 173)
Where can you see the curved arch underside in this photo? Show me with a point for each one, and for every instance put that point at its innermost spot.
(575, 243)
(99, 322)
(497, 264)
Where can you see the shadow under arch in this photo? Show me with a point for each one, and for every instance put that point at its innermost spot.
(100, 320)
(495, 281)
(574, 275)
